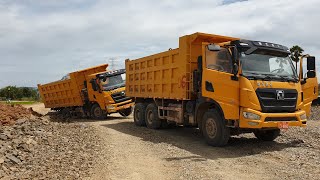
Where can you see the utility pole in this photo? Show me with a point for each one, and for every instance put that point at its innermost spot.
(111, 60)
(8, 98)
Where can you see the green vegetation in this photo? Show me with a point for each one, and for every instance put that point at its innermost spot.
(296, 52)
(23, 94)
(18, 102)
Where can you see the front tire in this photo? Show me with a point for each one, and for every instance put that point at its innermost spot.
(125, 112)
(97, 112)
(267, 135)
(214, 129)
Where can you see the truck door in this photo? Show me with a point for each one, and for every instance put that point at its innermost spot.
(310, 84)
(217, 83)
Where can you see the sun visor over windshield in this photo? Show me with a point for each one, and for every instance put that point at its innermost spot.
(251, 46)
(111, 73)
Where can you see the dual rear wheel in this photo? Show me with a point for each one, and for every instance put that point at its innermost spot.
(213, 125)
(147, 114)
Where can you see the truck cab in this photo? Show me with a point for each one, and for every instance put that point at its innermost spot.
(256, 87)
(108, 90)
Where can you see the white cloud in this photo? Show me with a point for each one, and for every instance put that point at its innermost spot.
(40, 41)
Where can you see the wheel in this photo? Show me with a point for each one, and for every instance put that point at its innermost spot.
(267, 135)
(152, 118)
(66, 113)
(214, 129)
(125, 112)
(97, 112)
(139, 114)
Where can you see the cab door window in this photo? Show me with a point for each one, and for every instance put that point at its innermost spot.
(219, 60)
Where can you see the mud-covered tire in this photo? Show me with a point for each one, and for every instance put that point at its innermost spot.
(66, 114)
(267, 135)
(214, 129)
(97, 112)
(152, 118)
(139, 114)
(125, 112)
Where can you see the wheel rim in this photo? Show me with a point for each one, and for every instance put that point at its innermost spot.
(137, 115)
(211, 128)
(150, 116)
(97, 112)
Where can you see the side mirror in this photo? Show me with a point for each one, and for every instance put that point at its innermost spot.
(311, 74)
(235, 69)
(235, 54)
(214, 47)
(311, 63)
(94, 84)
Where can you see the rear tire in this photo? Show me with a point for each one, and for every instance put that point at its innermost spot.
(214, 129)
(125, 112)
(152, 118)
(139, 114)
(97, 112)
(66, 114)
(267, 135)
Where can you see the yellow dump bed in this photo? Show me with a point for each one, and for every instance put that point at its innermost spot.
(67, 93)
(167, 75)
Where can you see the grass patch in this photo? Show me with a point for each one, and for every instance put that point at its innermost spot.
(19, 102)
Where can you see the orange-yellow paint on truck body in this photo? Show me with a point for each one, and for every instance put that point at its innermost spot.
(76, 94)
(224, 85)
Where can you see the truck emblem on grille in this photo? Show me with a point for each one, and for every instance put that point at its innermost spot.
(280, 95)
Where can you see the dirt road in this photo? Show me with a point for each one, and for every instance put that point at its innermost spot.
(180, 153)
(131, 152)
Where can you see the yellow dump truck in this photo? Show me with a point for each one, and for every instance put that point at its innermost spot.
(223, 85)
(92, 92)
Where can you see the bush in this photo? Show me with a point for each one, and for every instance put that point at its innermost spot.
(19, 93)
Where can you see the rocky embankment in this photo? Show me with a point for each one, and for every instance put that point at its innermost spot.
(33, 147)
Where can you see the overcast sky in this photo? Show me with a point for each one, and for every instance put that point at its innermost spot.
(42, 40)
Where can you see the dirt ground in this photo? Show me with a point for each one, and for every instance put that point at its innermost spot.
(131, 152)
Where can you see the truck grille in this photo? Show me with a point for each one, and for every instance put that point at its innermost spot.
(270, 103)
(120, 97)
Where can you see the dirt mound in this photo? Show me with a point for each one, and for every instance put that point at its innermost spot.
(11, 113)
(37, 148)
(315, 113)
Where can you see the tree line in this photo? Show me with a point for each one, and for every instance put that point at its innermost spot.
(19, 93)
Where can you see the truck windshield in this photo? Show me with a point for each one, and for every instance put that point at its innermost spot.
(113, 82)
(268, 66)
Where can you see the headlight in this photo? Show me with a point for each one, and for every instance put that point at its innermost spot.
(249, 115)
(303, 117)
(110, 107)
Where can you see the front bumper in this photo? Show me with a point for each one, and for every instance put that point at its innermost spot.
(263, 123)
(113, 108)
